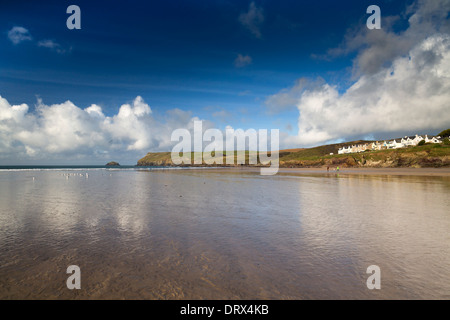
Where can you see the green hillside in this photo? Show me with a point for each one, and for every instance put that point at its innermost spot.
(320, 151)
(428, 155)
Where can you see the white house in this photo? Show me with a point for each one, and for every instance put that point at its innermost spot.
(397, 143)
(342, 150)
(417, 139)
(378, 145)
(393, 144)
(409, 141)
(373, 146)
(345, 150)
(433, 139)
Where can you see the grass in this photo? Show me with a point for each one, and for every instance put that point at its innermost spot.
(425, 155)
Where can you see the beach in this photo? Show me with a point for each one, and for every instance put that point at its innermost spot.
(225, 233)
(437, 172)
(442, 172)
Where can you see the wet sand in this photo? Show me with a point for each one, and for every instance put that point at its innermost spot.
(444, 172)
(377, 171)
(224, 234)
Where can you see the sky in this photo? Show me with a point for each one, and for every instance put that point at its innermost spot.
(137, 70)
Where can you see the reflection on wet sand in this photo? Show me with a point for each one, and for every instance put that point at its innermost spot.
(223, 234)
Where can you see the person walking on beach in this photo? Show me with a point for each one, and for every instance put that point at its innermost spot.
(328, 168)
(337, 169)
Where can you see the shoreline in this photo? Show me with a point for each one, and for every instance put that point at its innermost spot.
(441, 172)
(399, 171)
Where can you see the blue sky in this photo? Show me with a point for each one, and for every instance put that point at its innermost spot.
(175, 54)
(221, 61)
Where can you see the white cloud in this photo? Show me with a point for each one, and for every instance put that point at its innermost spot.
(288, 98)
(65, 130)
(242, 61)
(253, 19)
(48, 44)
(402, 84)
(377, 48)
(19, 34)
(413, 95)
(52, 45)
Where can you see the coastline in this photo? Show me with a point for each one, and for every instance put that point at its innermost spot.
(399, 171)
(445, 172)
(425, 156)
(441, 172)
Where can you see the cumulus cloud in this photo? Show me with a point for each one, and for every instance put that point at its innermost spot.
(411, 95)
(377, 48)
(242, 61)
(61, 130)
(288, 98)
(253, 19)
(402, 84)
(65, 133)
(19, 34)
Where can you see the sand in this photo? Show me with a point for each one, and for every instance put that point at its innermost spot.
(443, 172)
(376, 171)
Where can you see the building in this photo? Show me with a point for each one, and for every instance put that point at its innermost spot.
(392, 144)
(433, 139)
